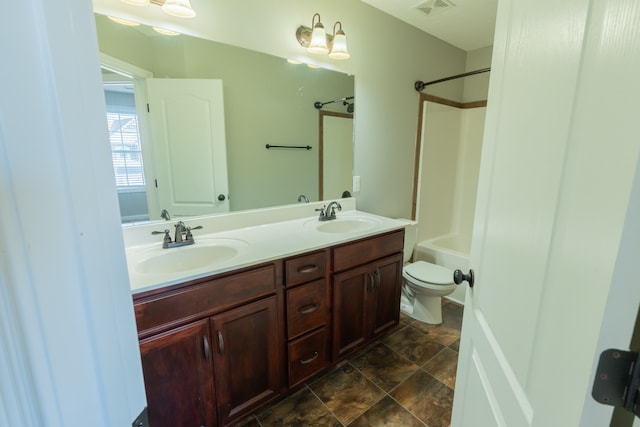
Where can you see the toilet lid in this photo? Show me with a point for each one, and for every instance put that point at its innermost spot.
(430, 273)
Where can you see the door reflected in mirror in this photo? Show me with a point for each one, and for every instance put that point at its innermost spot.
(266, 101)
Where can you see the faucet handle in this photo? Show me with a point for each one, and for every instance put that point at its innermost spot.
(189, 236)
(167, 237)
(321, 210)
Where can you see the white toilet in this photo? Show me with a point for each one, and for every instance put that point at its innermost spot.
(424, 284)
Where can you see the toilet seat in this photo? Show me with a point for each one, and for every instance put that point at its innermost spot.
(428, 274)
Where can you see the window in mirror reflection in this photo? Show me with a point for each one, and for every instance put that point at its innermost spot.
(126, 152)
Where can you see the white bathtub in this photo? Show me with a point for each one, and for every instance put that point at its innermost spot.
(450, 251)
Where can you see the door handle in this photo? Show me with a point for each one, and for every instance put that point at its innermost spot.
(459, 277)
(220, 343)
(205, 343)
(378, 279)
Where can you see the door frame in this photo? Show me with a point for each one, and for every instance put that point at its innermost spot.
(321, 116)
(138, 76)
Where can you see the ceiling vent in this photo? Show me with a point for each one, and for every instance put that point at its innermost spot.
(433, 7)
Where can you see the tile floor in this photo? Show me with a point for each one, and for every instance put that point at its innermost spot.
(404, 379)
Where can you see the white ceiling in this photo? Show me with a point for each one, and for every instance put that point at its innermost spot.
(466, 24)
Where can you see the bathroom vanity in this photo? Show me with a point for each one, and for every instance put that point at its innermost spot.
(219, 343)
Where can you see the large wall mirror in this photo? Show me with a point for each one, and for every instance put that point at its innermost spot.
(265, 101)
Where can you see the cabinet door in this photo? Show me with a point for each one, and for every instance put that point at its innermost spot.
(178, 377)
(387, 274)
(247, 362)
(351, 295)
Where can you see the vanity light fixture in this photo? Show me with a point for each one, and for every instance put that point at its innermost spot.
(339, 47)
(316, 40)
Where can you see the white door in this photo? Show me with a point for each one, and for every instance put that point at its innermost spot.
(186, 118)
(559, 155)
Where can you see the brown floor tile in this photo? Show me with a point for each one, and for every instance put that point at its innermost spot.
(413, 344)
(443, 366)
(346, 392)
(415, 364)
(448, 331)
(426, 398)
(385, 367)
(405, 320)
(300, 409)
(387, 412)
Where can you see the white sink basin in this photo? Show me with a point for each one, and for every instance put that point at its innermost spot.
(202, 254)
(345, 225)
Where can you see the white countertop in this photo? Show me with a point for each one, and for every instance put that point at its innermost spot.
(255, 236)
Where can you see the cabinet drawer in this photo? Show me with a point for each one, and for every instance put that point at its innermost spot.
(306, 307)
(365, 251)
(178, 306)
(307, 356)
(305, 268)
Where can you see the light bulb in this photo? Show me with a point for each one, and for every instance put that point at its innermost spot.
(179, 8)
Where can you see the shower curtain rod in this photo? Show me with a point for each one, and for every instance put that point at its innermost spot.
(319, 104)
(419, 85)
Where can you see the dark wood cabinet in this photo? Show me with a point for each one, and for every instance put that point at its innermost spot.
(217, 348)
(211, 348)
(177, 376)
(308, 315)
(246, 363)
(366, 293)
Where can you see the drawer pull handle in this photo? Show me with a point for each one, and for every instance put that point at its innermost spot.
(220, 343)
(311, 359)
(310, 268)
(309, 308)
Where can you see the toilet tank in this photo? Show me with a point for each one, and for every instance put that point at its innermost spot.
(410, 237)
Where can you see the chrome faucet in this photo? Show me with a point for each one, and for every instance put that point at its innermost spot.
(329, 212)
(303, 198)
(165, 215)
(178, 240)
(180, 230)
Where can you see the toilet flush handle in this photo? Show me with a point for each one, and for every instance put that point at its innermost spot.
(459, 277)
